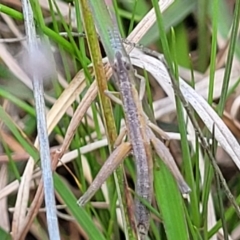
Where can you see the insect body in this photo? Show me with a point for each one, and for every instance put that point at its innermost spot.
(136, 127)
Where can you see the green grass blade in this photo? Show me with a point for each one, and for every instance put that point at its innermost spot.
(163, 39)
(11, 12)
(79, 213)
(4, 235)
(213, 50)
(12, 164)
(203, 36)
(171, 17)
(170, 203)
(104, 25)
(229, 213)
(17, 102)
(184, 145)
(19, 135)
(233, 40)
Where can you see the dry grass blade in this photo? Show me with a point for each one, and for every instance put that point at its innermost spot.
(32, 212)
(212, 120)
(80, 112)
(22, 199)
(146, 23)
(66, 99)
(4, 221)
(13, 66)
(201, 87)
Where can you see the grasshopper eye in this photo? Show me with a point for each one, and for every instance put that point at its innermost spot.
(127, 65)
(142, 229)
(114, 66)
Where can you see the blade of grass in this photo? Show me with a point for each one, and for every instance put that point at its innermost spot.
(12, 164)
(185, 147)
(5, 235)
(112, 5)
(11, 12)
(61, 51)
(229, 213)
(203, 35)
(182, 49)
(18, 102)
(80, 26)
(104, 24)
(213, 50)
(207, 183)
(170, 203)
(183, 132)
(161, 30)
(178, 10)
(232, 45)
(19, 135)
(49, 32)
(83, 60)
(99, 71)
(79, 213)
(132, 17)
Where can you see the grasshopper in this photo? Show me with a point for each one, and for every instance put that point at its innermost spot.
(141, 139)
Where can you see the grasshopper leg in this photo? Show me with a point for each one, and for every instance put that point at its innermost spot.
(109, 166)
(112, 96)
(142, 85)
(167, 158)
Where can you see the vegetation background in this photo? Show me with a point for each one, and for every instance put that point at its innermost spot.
(203, 38)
